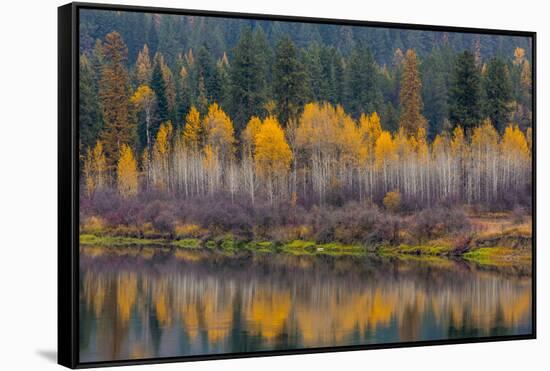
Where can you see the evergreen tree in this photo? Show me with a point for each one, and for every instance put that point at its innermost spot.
(498, 93)
(247, 81)
(159, 87)
(207, 70)
(465, 93)
(314, 69)
(434, 94)
(362, 94)
(89, 113)
(115, 100)
(289, 85)
(411, 119)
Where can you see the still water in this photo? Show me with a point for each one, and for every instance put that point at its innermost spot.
(143, 303)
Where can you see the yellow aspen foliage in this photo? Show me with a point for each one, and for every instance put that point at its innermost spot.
(458, 142)
(370, 127)
(305, 130)
(272, 153)
(192, 132)
(219, 132)
(127, 172)
(161, 152)
(318, 127)
(514, 143)
(143, 95)
(144, 100)
(351, 148)
(162, 144)
(249, 134)
(405, 146)
(384, 150)
(484, 137)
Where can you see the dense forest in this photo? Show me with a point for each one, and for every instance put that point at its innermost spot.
(279, 113)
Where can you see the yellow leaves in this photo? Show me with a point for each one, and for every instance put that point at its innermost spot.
(370, 127)
(272, 153)
(352, 149)
(219, 131)
(458, 142)
(95, 169)
(384, 150)
(484, 137)
(143, 95)
(514, 143)
(127, 173)
(248, 136)
(162, 144)
(192, 132)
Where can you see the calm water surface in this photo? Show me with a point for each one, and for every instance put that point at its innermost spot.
(143, 303)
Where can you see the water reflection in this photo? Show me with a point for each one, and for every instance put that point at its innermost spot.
(142, 303)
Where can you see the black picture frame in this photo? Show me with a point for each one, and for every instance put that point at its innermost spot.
(68, 200)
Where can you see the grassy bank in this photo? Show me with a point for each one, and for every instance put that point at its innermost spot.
(489, 239)
(481, 255)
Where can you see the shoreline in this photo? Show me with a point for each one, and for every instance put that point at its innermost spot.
(478, 253)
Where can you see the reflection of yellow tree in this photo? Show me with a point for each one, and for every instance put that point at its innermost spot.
(126, 294)
(269, 311)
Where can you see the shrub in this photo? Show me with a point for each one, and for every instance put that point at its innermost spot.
(438, 222)
(392, 200)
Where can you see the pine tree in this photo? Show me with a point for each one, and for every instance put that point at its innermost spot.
(159, 87)
(115, 100)
(434, 94)
(89, 113)
(497, 93)
(143, 66)
(362, 93)
(465, 93)
(208, 72)
(411, 119)
(248, 80)
(289, 81)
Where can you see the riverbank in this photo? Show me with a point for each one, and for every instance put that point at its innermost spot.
(517, 250)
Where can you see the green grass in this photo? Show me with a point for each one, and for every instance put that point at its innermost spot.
(228, 245)
(90, 239)
(188, 243)
(433, 250)
(498, 256)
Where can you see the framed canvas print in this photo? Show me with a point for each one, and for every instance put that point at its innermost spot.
(236, 185)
